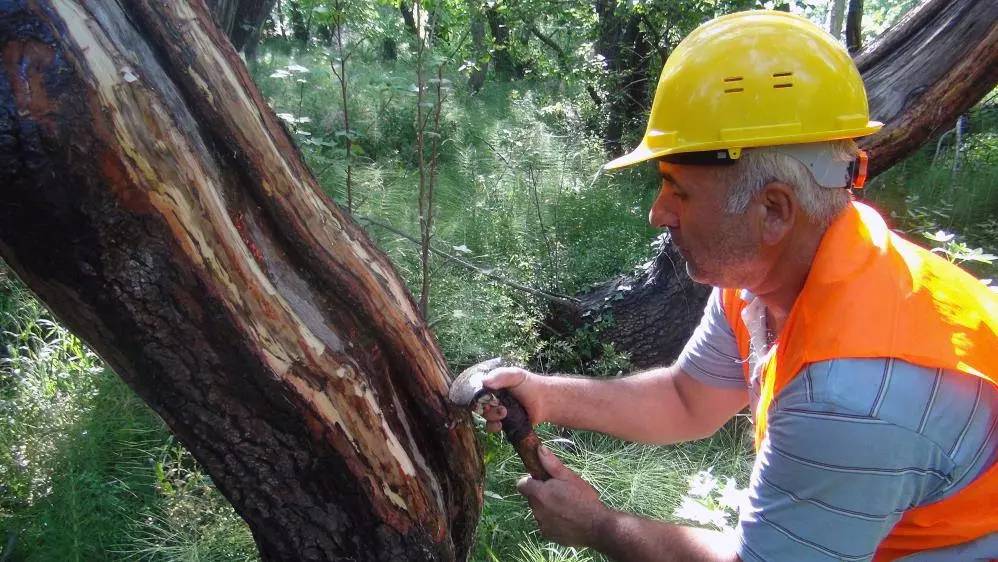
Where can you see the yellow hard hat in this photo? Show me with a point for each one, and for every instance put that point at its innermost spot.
(756, 78)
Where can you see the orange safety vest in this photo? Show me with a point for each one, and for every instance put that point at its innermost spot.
(870, 293)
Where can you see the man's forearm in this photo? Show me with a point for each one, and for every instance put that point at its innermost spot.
(644, 407)
(626, 537)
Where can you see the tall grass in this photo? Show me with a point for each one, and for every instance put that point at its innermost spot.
(649, 481)
(87, 471)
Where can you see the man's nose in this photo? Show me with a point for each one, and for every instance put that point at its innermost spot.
(662, 213)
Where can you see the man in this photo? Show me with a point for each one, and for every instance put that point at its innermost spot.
(869, 364)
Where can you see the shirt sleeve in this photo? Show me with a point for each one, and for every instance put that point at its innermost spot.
(711, 354)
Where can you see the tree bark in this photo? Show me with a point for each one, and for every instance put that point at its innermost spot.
(625, 50)
(653, 313)
(476, 78)
(249, 23)
(502, 60)
(407, 18)
(925, 72)
(154, 202)
(241, 20)
(854, 26)
(300, 21)
(837, 10)
(920, 76)
(224, 14)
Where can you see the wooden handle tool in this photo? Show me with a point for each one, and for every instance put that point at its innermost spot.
(467, 391)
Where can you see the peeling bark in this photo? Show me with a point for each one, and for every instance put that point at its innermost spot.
(154, 202)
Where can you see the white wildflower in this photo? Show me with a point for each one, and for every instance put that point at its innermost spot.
(940, 236)
(702, 483)
(731, 496)
(693, 510)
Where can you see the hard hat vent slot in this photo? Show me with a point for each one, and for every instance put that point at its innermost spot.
(732, 78)
(734, 90)
(783, 85)
(779, 74)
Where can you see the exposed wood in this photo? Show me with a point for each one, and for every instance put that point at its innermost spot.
(407, 17)
(154, 202)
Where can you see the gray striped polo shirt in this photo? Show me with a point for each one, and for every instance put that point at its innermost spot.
(852, 444)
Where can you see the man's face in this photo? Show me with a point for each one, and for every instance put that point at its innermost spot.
(720, 249)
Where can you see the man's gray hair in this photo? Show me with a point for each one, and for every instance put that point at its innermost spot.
(760, 166)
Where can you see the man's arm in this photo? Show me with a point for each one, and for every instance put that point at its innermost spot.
(623, 536)
(689, 400)
(659, 406)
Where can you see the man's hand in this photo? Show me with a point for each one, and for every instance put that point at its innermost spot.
(567, 509)
(523, 385)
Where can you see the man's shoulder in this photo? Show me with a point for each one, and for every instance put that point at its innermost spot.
(903, 415)
(891, 390)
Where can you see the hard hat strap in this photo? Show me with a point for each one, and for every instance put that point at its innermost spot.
(829, 167)
(703, 158)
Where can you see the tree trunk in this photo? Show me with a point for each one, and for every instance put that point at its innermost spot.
(476, 78)
(854, 26)
(925, 72)
(653, 314)
(154, 202)
(224, 14)
(920, 76)
(300, 22)
(250, 18)
(241, 20)
(625, 50)
(408, 18)
(837, 11)
(502, 59)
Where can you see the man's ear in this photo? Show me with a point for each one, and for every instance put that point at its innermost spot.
(780, 204)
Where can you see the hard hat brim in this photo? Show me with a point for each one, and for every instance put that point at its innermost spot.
(640, 154)
(643, 152)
